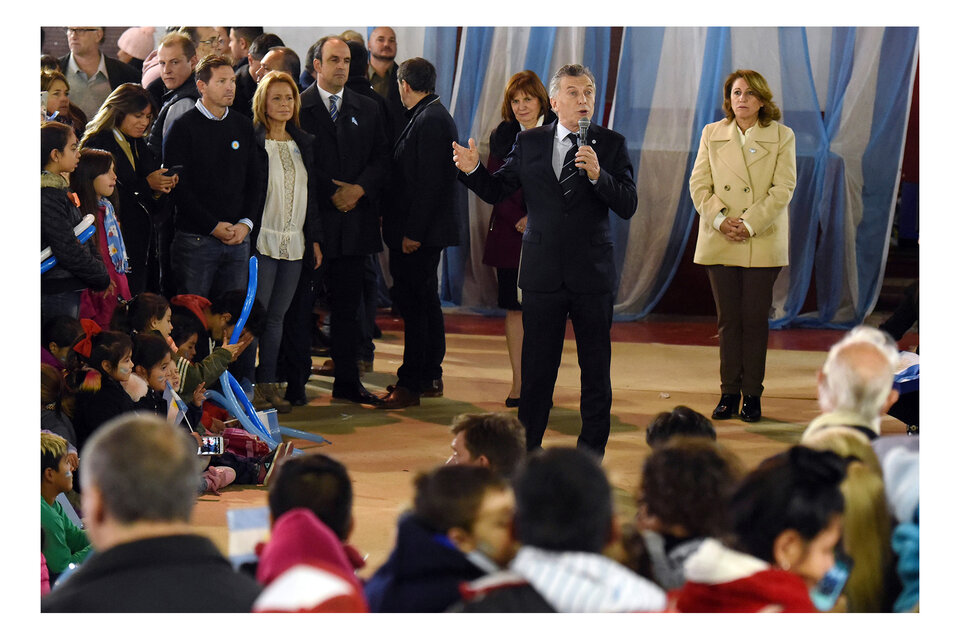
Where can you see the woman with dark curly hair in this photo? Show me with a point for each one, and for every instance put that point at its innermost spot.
(683, 488)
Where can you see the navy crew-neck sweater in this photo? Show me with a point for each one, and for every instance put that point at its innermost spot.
(219, 180)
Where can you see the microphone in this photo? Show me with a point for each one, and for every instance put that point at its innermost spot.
(584, 124)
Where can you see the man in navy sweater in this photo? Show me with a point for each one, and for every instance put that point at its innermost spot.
(213, 149)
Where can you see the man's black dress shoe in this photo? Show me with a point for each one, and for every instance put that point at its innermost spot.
(751, 409)
(357, 394)
(431, 388)
(727, 407)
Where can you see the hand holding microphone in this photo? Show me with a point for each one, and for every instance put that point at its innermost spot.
(586, 158)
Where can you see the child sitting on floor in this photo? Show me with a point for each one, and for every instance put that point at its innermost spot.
(102, 396)
(152, 361)
(63, 542)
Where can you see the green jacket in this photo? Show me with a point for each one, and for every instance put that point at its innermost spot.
(64, 542)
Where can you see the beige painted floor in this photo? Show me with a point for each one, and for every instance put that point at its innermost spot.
(384, 450)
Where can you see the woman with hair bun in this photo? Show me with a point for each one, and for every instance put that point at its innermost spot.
(786, 520)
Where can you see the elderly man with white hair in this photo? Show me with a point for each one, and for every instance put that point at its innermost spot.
(855, 385)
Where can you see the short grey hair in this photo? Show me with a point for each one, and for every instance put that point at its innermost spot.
(145, 469)
(854, 380)
(569, 71)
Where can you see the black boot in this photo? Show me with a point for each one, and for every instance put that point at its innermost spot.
(751, 409)
(727, 407)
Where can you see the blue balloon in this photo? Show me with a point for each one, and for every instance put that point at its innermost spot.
(84, 235)
(303, 435)
(248, 301)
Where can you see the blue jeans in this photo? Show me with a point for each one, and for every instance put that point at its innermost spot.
(276, 284)
(206, 267)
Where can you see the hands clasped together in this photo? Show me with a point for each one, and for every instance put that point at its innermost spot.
(735, 230)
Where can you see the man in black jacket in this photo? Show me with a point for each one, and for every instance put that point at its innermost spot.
(92, 75)
(177, 58)
(217, 196)
(419, 220)
(382, 73)
(566, 265)
(140, 484)
(351, 163)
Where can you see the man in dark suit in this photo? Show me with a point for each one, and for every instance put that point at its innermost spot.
(419, 220)
(566, 263)
(351, 164)
(92, 76)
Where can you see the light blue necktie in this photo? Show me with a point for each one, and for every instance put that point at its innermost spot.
(333, 108)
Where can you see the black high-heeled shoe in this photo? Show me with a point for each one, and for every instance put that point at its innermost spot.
(512, 402)
(727, 407)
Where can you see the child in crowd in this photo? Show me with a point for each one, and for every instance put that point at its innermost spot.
(57, 337)
(78, 265)
(186, 332)
(56, 404)
(684, 486)
(307, 565)
(94, 181)
(102, 395)
(682, 421)
(436, 543)
(786, 520)
(63, 542)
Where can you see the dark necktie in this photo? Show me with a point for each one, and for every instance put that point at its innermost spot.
(333, 108)
(569, 169)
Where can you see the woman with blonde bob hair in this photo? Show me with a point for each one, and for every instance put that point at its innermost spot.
(525, 105)
(290, 228)
(741, 183)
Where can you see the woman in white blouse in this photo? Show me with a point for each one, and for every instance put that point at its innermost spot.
(290, 229)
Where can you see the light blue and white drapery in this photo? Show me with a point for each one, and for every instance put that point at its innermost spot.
(844, 91)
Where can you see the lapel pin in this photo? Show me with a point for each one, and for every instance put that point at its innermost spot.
(354, 120)
(753, 150)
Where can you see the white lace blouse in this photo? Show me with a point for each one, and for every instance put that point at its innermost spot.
(285, 209)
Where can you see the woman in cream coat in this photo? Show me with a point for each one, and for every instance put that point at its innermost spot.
(742, 182)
